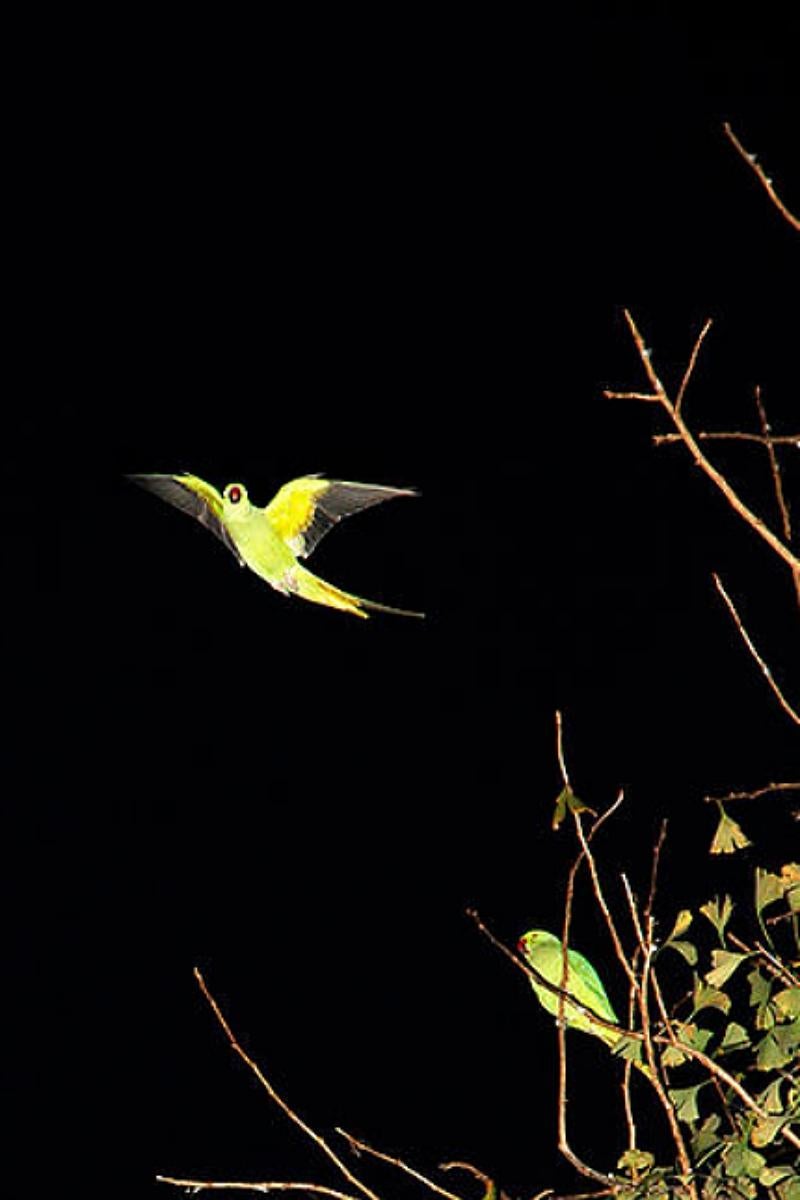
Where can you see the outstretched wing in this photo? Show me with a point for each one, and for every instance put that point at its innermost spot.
(304, 510)
(193, 496)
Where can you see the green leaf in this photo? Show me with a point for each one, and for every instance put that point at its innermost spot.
(718, 913)
(636, 1163)
(778, 1047)
(788, 1035)
(729, 836)
(725, 963)
(671, 1056)
(790, 874)
(770, 1099)
(760, 989)
(765, 1129)
(707, 1136)
(567, 801)
(629, 1048)
(707, 996)
(684, 1101)
(690, 1035)
(772, 1175)
(700, 1038)
(787, 1002)
(769, 888)
(735, 1037)
(682, 923)
(741, 1160)
(686, 949)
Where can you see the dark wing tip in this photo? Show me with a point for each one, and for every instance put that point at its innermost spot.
(148, 479)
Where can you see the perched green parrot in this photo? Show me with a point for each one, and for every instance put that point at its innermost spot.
(270, 540)
(543, 951)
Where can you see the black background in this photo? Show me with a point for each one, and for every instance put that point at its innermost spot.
(394, 251)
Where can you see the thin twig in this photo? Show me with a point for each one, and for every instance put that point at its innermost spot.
(773, 965)
(278, 1099)
(598, 889)
(651, 896)
(649, 921)
(203, 1185)
(777, 482)
(662, 1007)
(633, 983)
(562, 764)
(360, 1147)
(561, 1024)
(646, 948)
(627, 1105)
(765, 182)
(784, 703)
(586, 853)
(485, 1179)
(627, 1102)
(733, 435)
(659, 394)
(563, 1139)
(782, 970)
(754, 795)
(650, 397)
(691, 365)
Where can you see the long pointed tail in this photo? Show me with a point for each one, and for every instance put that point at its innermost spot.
(312, 588)
(615, 1041)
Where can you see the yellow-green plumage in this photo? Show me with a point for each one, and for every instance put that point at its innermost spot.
(543, 951)
(270, 540)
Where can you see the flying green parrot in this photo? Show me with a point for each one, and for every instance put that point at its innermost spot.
(543, 951)
(270, 540)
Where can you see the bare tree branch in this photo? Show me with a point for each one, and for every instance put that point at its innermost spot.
(646, 947)
(203, 1185)
(784, 703)
(765, 182)
(755, 794)
(711, 435)
(777, 482)
(362, 1147)
(310, 1133)
(660, 396)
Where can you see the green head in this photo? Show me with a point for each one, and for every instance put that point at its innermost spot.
(537, 939)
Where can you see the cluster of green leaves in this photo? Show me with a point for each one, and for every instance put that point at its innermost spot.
(736, 1034)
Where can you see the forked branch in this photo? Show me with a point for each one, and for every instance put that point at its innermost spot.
(659, 395)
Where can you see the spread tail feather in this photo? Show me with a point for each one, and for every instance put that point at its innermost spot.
(312, 588)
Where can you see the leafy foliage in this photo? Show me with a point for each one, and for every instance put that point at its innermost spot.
(733, 1084)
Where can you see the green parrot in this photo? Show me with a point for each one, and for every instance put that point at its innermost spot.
(543, 951)
(270, 540)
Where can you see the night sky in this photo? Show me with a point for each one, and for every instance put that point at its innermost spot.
(395, 253)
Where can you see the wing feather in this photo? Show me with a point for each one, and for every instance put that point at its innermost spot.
(193, 496)
(305, 509)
